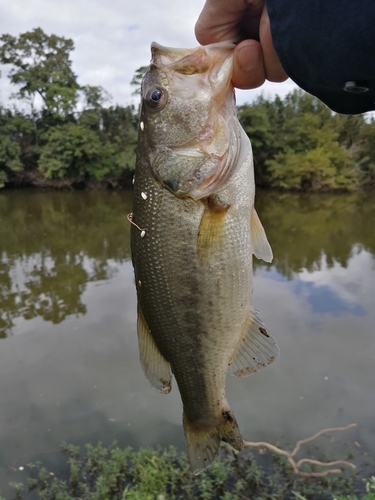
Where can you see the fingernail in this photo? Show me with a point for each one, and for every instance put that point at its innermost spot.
(248, 57)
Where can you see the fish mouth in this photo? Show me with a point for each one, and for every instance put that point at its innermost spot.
(186, 61)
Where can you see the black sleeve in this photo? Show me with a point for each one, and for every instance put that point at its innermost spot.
(328, 48)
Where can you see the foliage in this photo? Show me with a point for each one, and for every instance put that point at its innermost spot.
(299, 144)
(137, 79)
(113, 472)
(369, 495)
(55, 144)
(10, 150)
(71, 136)
(41, 65)
(71, 150)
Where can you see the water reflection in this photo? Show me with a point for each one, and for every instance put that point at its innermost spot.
(323, 245)
(69, 368)
(333, 289)
(52, 245)
(308, 231)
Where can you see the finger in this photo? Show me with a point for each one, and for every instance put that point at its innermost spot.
(248, 69)
(218, 21)
(274, 72)
(222, 20)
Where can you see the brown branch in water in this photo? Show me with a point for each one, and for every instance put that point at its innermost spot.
(323, 431)
(296, 465)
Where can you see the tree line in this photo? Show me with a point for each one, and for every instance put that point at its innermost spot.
(300, 144)
(59, 133)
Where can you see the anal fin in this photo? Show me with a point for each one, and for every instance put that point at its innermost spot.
(261, 247)
(256, 350)
(157, 369)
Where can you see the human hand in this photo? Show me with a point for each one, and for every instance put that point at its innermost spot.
(255, 59)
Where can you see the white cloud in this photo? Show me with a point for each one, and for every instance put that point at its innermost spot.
(112, 39)
(268, 90)
(352, 283)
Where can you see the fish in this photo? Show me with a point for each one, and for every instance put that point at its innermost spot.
(193, 234)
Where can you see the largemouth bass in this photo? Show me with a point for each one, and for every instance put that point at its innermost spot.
(194, 231)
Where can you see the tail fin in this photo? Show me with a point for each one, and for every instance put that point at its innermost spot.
(204, 443)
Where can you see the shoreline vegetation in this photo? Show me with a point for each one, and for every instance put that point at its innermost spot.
(59, 134)
(112, 472)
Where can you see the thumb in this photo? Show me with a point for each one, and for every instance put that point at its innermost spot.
(248, 69)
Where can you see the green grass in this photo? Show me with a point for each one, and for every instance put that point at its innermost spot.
(369, 495)
(106, 473)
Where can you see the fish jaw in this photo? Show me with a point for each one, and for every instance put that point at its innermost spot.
(192, 128)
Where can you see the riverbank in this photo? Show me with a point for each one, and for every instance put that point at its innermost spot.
(100, 472)
(35, 180)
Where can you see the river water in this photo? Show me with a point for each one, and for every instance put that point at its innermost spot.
(69, 368)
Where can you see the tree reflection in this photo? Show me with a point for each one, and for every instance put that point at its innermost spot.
(303, 227)
(52, 245)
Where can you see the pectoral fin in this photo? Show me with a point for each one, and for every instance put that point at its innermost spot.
(211, 230)
(156, 367)
(261, 247)
(256, 350)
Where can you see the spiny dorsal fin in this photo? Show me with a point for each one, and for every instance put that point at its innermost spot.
(256, 350)
(261, 247)
(156, 367)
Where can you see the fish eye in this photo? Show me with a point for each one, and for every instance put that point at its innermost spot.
(156, 97)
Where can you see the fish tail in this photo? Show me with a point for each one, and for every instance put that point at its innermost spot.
(204, 442)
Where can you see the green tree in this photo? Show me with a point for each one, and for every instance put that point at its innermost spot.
(56, 144)
(95, 97)
(137, 79)
(300, 144)
(312, 158)
(120, 127)
(100, 148)
(365, 153)
(15, 134)
(41, 66)
(256, 121)
(73, 151)
(10, 149)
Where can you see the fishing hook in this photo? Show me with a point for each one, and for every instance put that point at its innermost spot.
(130, 219)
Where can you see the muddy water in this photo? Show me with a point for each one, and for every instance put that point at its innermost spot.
(69, 367)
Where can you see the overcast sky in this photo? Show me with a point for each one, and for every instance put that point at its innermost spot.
(112, 38)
